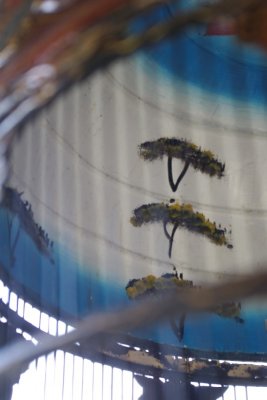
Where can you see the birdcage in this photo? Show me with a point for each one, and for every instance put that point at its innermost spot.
(132, 139)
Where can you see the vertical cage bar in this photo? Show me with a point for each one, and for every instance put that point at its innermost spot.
(64, 364)
(93, 381)
(82, 373)
(111, 388)
(102, 382)
(121, 384)
(235, 392)
(132, 386)
(222, 394)
(246, 390)
(45, 376)
(73, 378)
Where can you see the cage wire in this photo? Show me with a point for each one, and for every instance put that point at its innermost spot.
(49, 351)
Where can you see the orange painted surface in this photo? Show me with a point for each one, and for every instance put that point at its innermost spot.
(252, 26)
(73, 20)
